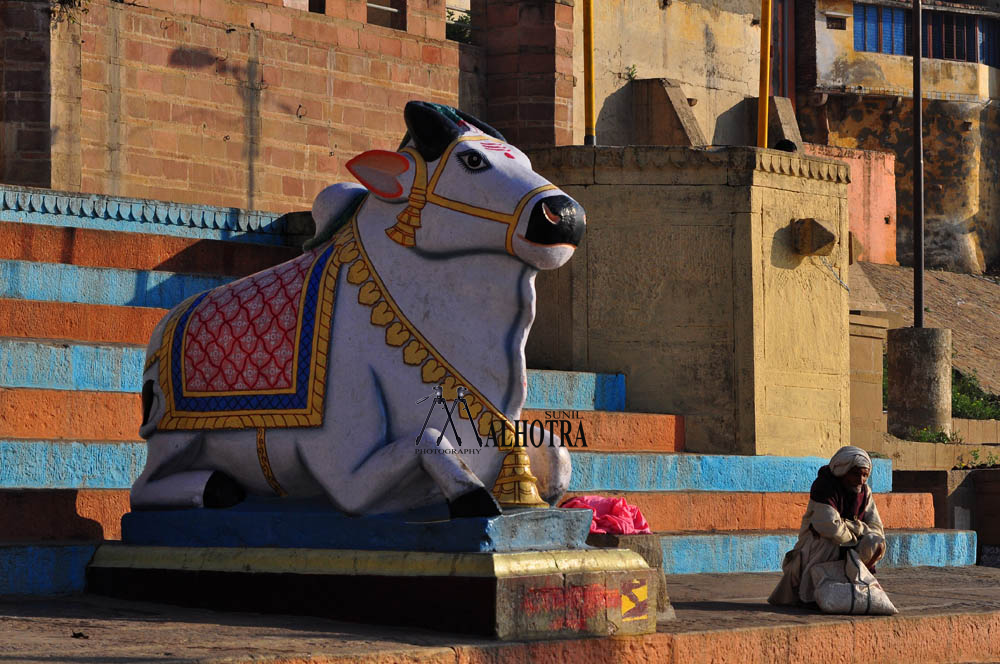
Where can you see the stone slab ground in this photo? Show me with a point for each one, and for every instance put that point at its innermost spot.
(946, 615)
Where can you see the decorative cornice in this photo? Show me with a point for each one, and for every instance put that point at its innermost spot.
(814, 169)
(144, 211)
(584, 165)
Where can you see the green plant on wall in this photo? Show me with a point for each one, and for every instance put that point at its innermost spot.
(66, 10)
(927, 435)
(970, 401)
(458, 26)
(990, 461)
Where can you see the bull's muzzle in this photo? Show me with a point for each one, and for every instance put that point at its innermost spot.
(556, 220)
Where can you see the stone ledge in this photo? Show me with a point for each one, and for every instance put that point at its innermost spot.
(578, 163)
(146, 211)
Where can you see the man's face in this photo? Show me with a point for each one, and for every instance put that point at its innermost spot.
(856, 478)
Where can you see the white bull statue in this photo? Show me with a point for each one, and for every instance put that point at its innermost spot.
(301, 380)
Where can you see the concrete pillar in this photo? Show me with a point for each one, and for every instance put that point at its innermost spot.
(919, 380)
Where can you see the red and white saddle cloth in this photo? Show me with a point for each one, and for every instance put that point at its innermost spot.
(252, 353)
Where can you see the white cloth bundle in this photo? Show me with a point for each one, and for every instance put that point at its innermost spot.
(847, 587)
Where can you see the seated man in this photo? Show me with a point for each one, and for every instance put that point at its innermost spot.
(841, 514)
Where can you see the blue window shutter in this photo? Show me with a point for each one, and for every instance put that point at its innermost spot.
(899, 31)
(886, 45)
(859, 27)
(871, 28)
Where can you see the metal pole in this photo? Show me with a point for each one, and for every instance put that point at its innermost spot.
(918, 169)
(765, 73)
(590, 135)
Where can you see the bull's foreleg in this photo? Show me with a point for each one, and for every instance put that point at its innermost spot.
(169, 482)
(359, 490)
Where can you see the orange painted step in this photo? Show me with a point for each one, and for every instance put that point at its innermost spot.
(95, 323)
(618, 432)
(65, 415)
(52, 514)
(136, 251)
(728, 511)
(79, 415)
(62, 514)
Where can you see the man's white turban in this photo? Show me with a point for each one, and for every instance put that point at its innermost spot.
(848, 457)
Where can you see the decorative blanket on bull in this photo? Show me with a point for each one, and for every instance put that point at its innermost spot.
(252, 353)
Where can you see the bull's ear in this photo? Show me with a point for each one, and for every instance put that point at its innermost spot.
(430, 129)
(381, 171)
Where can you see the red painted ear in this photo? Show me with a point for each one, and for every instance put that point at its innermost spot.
(379, 171)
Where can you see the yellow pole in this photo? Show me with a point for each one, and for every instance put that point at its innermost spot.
(763, 101)
(590, 133)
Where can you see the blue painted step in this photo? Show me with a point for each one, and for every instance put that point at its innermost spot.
(41, 464)
(55, 282)
(56, 569)
(135, 215)
(26, 363)
(595, 471)
(45, 569)
(763, 552)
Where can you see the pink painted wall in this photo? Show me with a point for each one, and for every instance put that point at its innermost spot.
(871, 196)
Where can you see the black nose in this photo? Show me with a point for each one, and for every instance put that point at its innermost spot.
(556, 220)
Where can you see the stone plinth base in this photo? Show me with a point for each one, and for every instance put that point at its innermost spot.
(509, 596)
(284, 523)
(651, 549)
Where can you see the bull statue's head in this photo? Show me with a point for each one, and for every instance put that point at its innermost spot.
(488, 196)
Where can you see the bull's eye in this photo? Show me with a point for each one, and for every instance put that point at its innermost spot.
(472, 161)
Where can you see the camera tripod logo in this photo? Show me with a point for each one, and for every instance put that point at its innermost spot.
(559, 425)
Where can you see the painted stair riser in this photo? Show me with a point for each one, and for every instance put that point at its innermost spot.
(46, 570)
(71, 366)
(94, 514)
(61, 415)
(137, 251)
(47, 464)
(75, 322)
(135, 215)
(701, 472)
(53, 282)
(62, 514)
(616, 432)
(734, 511)
(745, 552)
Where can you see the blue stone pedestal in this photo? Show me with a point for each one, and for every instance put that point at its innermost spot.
(523, 575)
(315, 525)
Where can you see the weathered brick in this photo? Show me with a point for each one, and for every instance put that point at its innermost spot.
(291, 186)
(378, 70)
(390, 46)
(357, 10)
(347, 37)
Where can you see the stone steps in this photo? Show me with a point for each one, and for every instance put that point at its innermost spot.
(49, 568)
(45, 513)
(762, 551)
(83, 281)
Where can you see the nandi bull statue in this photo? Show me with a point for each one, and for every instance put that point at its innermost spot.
(301, 380)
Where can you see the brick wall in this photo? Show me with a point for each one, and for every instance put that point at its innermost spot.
(529, 64)
(221, 102)
(24, 93)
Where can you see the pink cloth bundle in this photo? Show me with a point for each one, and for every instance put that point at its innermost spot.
(611, 515)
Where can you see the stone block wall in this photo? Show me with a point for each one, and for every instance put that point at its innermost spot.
(686, 281)
(868, 336)
(222, 102)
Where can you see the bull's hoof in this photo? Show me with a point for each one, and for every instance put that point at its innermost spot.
(222, 491)
(478, 502)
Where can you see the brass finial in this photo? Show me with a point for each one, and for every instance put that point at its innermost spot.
(515, 485)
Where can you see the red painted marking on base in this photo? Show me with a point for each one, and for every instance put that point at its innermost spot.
(576, 604)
